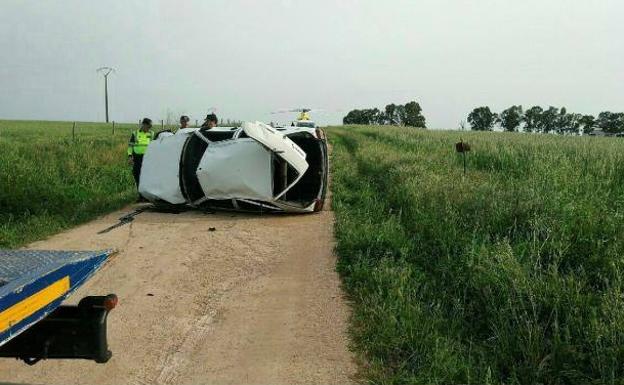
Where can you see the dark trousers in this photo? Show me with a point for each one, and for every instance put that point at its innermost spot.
(136, 168)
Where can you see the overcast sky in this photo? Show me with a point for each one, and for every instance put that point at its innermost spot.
(247, 58)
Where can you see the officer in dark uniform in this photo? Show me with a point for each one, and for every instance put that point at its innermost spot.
(137, 147)
(211, 121)
(184, 121)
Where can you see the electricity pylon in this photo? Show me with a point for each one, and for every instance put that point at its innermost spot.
(106, 71)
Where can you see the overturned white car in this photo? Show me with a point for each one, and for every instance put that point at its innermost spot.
(252, 168)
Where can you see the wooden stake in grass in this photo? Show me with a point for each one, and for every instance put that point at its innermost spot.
(74, 132)
(462, 148)
(113, 127)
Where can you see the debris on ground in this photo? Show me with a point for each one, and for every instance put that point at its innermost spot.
(124, 220)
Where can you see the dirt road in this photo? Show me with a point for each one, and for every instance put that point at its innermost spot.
(256, 301)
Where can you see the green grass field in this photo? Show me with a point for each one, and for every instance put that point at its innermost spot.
(512, 274)
(49, 182)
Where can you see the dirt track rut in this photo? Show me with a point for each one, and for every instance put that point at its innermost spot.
(256, 301)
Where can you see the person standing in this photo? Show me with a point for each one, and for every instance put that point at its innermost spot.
(137, 147)
(211, 121)
(184, 121)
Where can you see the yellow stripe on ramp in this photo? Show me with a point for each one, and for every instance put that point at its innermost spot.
(32, 304)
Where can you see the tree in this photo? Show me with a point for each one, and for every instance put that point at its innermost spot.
(612, 122)
(563, 121)
(373, 116)
(366, 116)
(354, 117)
(511, 118)
(587, 122)
(401, 114)
(568, 123)
(413, 115)
(390, 114)
(549, 120)
(532, 119)
(482, 119)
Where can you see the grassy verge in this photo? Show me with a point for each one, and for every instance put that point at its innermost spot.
(49, 182)
(512, 274)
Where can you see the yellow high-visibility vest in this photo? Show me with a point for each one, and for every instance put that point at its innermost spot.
(139, 141)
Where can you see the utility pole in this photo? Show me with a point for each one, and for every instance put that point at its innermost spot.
(106, 71)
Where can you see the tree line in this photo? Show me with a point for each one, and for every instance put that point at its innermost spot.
(536, 119)
(409, 114)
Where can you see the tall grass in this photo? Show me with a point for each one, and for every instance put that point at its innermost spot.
(512, 274)
(49, 182)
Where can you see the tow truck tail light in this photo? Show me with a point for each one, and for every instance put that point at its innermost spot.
(110, 302)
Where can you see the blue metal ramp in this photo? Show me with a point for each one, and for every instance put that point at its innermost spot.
(33, 283)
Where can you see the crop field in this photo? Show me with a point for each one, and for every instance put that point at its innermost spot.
(50, 181)
(510, 274)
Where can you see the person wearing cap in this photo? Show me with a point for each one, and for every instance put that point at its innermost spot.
(184, 121)
(137, 146)
(210, 122)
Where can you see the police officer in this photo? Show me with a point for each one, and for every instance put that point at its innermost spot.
(211, 121)
(184, 121)
(137, 147)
